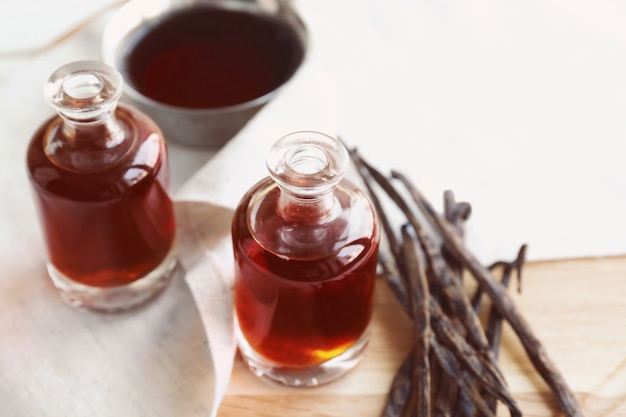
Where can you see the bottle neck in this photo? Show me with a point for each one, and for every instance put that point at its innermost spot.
(105, 132)
(305, 210)
(90, 146)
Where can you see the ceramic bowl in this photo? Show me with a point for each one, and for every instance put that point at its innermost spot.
(209, 127)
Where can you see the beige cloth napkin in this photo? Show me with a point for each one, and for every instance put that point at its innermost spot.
(204, 248)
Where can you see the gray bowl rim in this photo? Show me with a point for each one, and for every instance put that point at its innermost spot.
(108, 55)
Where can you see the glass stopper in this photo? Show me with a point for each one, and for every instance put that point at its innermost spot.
(307, 163)
(84, 90)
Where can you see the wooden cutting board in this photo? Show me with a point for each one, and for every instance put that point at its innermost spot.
(577, 308)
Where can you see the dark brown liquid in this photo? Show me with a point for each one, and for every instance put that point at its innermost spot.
(110, 226)
(205, 57)
(308, 308)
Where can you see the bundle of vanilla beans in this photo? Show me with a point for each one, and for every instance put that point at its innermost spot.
(452, 368)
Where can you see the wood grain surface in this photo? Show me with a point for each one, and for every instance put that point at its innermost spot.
(577, 308)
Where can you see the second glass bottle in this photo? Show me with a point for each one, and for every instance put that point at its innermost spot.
(306, 244)
(100, 177)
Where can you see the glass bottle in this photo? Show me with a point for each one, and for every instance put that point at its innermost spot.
(100, 177)
(305, 244)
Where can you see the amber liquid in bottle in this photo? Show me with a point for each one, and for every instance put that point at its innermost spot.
(109, 227)
(100, 184)
(304, 281)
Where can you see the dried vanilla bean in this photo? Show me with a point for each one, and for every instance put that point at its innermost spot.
(509, 267)
(449, 288)
(502, 302)
(482, 369)
(400, 389)
(494, 322)
(418, 289)
(457, 214)
(451, 365)
(396, 277)
(472, 364)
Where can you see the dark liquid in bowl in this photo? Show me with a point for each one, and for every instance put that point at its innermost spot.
(205, 57)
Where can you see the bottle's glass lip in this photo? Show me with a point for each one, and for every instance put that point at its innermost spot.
(307, 162)
(84, 90)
